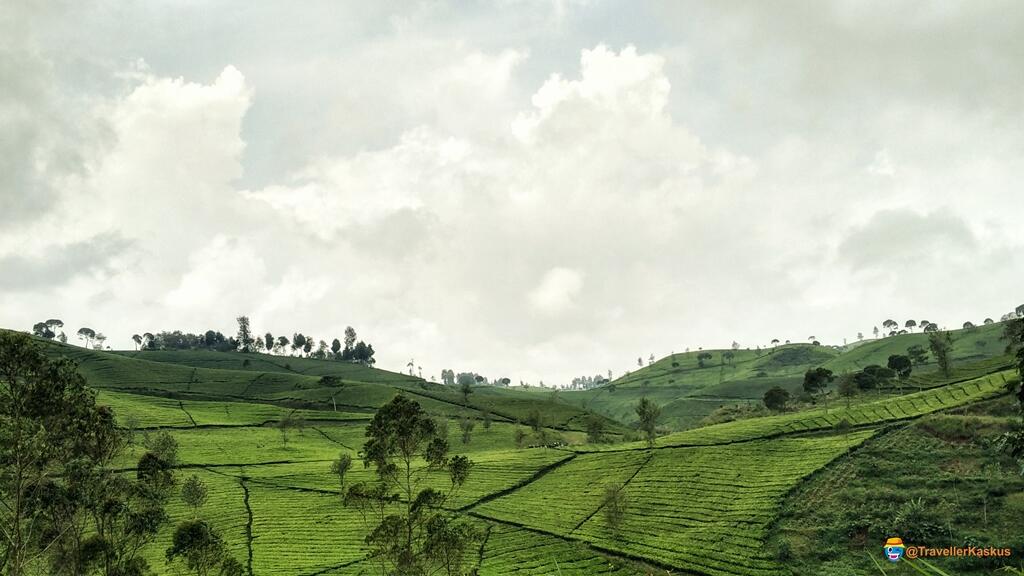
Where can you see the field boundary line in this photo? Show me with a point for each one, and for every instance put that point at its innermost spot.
(593, 547)
(248, 524)
(525, 482)
(619, 489)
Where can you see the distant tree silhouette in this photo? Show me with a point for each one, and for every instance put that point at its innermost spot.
(86, 335)
(775, 399)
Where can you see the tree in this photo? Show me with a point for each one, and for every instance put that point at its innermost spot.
(931, 327)
(199, 546)
(860, 336)
(42, 402)
(816, 382)
(340, 468)
(138, 340)
(595, 429)
(648, 412)
(875, 331)
(268, 342)
(968, 325)
(910, 325)
(350, 339)
(520, 437)
(614, 505)
(61, 496)
(465, 387)
(890, 325)
(901, 365)
(42, 330)
(467, 425)
(775, 399)
(246, 342)
(100, 339)
(86, 335)
(54, 324)
(336, 348)
(917, 354)
(847, 387)
(415, 535)
(941, 345)
(775, 342)
(1019, 310)
(727, 356)
(194, 494)
(701, 357)
(288, 422)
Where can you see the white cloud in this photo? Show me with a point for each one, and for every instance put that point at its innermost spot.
(557, 290)
(525, 194)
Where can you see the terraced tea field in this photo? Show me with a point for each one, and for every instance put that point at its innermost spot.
(702, 501)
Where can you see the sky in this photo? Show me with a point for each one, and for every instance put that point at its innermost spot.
(527, 189)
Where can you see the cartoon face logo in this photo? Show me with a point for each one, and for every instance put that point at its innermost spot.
(894, 549)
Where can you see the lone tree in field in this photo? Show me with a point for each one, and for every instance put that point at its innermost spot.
(194, 494)
(701, 357)
(941, 345)
(776, 398)
(614, 505)
(816, 382)
(415, 534)
(847, 387)
(595, 429)
(465, 388)
(648, 412)
(917, 354)
(902, 366)
(466, 425)
(910, 325)
(340, 468)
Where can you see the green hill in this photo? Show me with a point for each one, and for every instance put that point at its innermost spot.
(689, 392)
(799, 493)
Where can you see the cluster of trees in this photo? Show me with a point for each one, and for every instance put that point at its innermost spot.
(51, 330)
(65, 509)
(898, 367)
(588, 382)
(351, 350)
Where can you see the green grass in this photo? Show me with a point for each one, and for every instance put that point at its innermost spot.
(967, 494)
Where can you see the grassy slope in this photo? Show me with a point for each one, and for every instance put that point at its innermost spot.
(967, 492)
(704, 501)
(688, 393)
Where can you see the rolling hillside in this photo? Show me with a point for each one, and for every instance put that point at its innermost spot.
(721, 500)
(688, 392)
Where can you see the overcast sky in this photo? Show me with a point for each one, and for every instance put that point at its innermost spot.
(530, 189)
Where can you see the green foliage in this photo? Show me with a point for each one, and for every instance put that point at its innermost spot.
(201, 549)
(614, 506)
(340, 468)
(647, 413)
(816, 380)
(941, 345)
(420, 537)
(194, 493)
(776, 398)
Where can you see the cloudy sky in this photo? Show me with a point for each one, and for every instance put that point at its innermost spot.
(531, 189)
